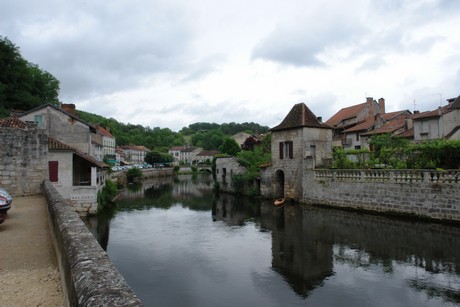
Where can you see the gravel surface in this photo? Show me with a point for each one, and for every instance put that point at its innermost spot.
(29, 271)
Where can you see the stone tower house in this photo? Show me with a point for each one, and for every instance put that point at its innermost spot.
(301, 141)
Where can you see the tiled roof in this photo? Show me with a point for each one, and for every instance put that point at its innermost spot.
(345, 113)
(455, 104)
(435, 113)
(208, 153)
(12, 122)
(104, 132)
(408, 134)
(365, 125)
(177, 148)
(300, 116)
(390, 126)
(55, 145)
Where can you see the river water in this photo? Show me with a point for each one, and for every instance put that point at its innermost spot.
(179, 244)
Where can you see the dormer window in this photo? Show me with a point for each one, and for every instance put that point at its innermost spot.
(286, 150)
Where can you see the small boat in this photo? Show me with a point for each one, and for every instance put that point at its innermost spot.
(279, 202)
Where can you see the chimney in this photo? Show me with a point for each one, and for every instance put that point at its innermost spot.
(320, 119)
(370, 103)
(69, 108)
(382, 105)
(409, 123)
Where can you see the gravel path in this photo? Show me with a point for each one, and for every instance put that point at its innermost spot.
(29, 271)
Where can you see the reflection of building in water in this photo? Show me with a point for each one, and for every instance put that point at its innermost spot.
(302, 249)
(309, 241)
(234, 211)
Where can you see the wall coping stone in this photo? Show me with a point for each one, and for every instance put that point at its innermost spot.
(90, 278)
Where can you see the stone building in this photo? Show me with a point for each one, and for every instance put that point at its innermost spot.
(301, 141)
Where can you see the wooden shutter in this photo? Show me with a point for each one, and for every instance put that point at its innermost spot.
(291, 152)
(281, 150)
(53, 167)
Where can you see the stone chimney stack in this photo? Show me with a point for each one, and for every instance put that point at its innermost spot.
(69, 108)
(382, 105)
(370, 103)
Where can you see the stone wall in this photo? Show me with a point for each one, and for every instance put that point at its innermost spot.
(90, 277)
(225, 169)
(421, 193)
(23, 160)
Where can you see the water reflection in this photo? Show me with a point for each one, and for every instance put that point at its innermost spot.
(318, 256)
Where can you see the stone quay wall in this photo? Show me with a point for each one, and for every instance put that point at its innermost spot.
(90, 278)
(421, 193)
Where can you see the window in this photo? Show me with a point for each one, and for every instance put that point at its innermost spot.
(357, 136)
(38, 120)
(53, 167)
(286, 150)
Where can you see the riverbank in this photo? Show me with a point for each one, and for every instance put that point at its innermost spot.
(28, 265)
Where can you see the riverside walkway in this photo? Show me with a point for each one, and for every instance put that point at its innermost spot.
(29, 270)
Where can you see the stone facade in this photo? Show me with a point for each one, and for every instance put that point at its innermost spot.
(225, 169)
(23, 160)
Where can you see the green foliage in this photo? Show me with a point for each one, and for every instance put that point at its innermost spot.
(230, 147)
(153, 157)
(388, 149)
(105, 196)
(341, 159)
(253, 158)
(436, 154)
(176, 168)
(23, 85)
(133, 174)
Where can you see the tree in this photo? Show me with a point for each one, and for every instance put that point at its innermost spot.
(23, 85)
(249, 143)
(388, 149)
(153, 157)
(230, 147)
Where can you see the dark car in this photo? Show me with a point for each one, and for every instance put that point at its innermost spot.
(5, 204)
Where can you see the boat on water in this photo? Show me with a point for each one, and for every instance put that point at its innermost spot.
(279, 202)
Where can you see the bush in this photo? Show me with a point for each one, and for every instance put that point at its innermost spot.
(133, 174)
(106, 195)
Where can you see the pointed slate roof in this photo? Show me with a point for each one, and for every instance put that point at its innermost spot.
(300, 116)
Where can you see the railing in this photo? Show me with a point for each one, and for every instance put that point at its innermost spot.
(381, 175)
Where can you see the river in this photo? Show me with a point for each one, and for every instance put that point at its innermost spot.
(179, 244)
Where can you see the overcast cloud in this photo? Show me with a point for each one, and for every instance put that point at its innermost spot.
(168, 64)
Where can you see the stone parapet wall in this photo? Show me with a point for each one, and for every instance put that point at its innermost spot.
(90, 277)
(421, 193)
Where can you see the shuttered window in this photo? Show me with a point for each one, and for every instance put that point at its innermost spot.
(53, 167)
(286, 150)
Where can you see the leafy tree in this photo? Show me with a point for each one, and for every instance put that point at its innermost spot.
(230, 147)
(388, 149)
(250, 143)
(153, 157)
(23, 85)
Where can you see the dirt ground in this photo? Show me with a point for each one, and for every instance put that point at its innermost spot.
(29, 271)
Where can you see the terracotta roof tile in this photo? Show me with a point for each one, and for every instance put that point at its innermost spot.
(12, 122)
(56, 145)
(345, 113)
(300, 116)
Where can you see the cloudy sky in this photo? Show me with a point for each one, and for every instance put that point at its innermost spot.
(170, 63)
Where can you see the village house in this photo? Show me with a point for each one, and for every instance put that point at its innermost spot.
(300, 141)
(349, 122)
(75, 174)
(134, 154)
(206, 156)
(175, 153)
(442, 123)
(189, 155)
(108, 145)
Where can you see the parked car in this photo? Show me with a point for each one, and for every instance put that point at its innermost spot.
(5, 204)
